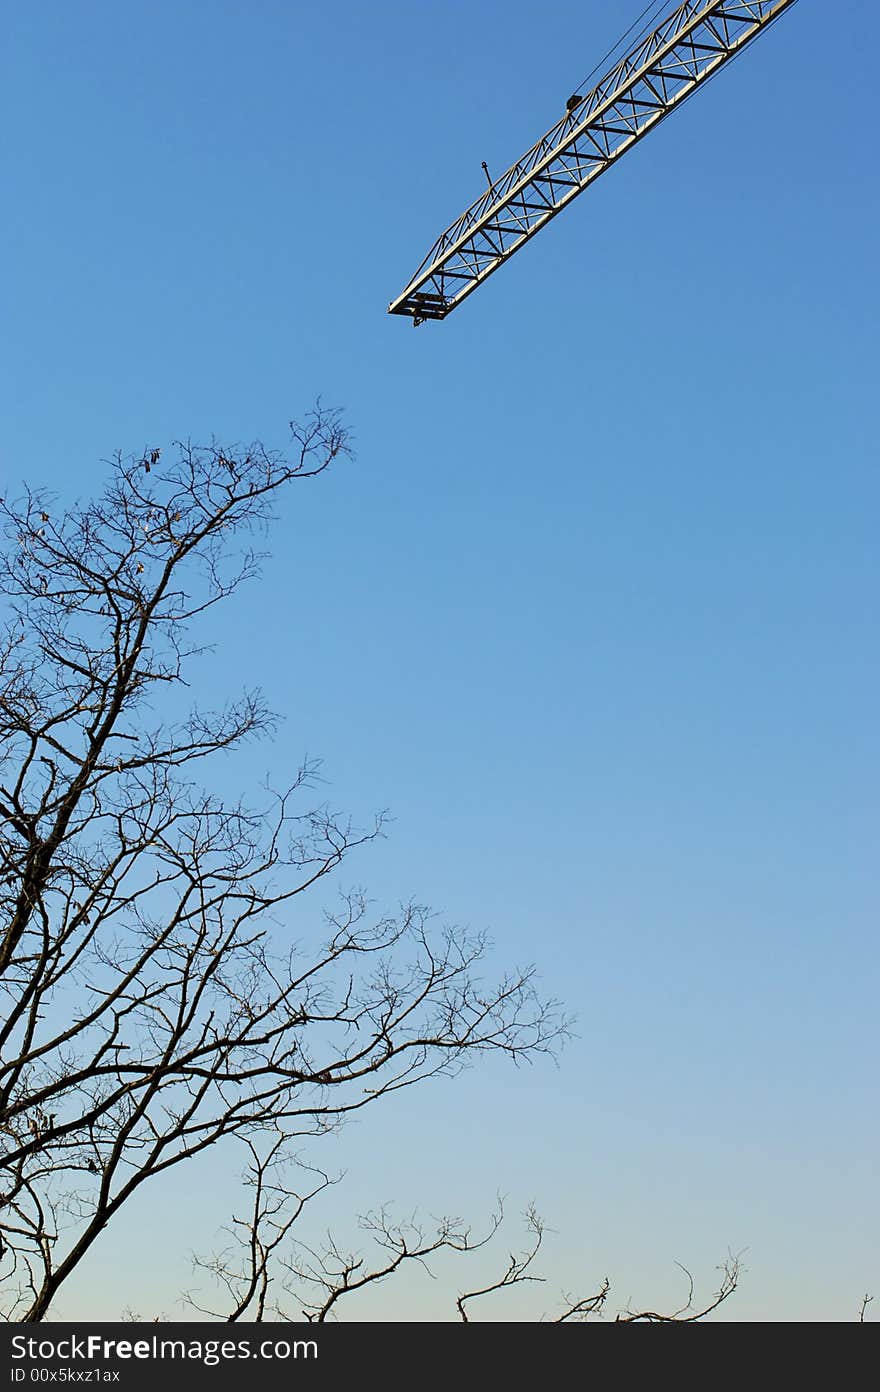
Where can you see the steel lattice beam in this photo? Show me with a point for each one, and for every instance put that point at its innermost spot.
(661, 71)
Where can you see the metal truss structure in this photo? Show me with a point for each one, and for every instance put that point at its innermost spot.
(662, 70)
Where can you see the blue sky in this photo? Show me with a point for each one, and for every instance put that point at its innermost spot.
(593, 611)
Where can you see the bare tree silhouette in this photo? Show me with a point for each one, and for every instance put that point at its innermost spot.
(315, 1282)
(157, 1000)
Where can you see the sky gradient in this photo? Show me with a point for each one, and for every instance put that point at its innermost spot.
(593, 611)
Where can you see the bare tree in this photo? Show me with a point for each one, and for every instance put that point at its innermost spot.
(158, 1001)
(315, 1282)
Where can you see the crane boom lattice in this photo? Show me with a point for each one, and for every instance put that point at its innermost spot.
(653, 79)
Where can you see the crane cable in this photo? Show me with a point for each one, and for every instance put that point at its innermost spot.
(656, 6)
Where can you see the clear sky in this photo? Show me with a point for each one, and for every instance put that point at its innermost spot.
(594, 610)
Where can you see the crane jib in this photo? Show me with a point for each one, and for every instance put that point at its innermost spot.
(649, 82)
